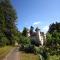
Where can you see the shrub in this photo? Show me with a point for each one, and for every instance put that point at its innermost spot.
(35, 42)
(43, 53)
(29, 48)
(3, 39)
(24, 40)
(21, 47)
(36, 50)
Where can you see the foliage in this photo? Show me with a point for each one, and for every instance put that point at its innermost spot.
(35, 42)
(53, 39)
(24, 40)
(24, 33)
(28, 48)
(43, 53)
(53, 35)
(54, 27)
(36, 50)
(31, 30)
(7, 21)
(49, 38)
(54, 57)
(3, 40)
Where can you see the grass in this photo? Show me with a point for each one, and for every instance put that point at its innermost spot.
(4, 51)
(54, 57)
(28, 56)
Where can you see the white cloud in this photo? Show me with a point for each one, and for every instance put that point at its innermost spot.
(36, 23)
(45, 29)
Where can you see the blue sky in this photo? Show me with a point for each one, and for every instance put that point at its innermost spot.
(39, 13)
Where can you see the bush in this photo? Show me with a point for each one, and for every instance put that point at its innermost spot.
(26, 44)
(35, 42)
(3, 40)
(24, 40)
(29, 48)
(36, 50)
(21, 47)
(44, 53)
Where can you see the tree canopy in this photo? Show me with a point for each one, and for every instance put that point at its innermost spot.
(54, 27)
(24, 33)
(31, 30)
(7, 20)
(53, 35)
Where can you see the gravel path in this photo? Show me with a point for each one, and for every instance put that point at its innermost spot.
(13, 55)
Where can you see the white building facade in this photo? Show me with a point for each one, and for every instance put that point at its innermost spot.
(40, 35)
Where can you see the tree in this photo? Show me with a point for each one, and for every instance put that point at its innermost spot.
(49, 38)
(31, 30)
(3, 40)
(54, 27)
(7, 19)
(24, 40)
(54, 33)
(24, 33)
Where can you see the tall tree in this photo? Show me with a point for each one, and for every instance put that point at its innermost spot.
(24, 33)
(54, 27)
(31, 30)
(8, 19)
(54, 33)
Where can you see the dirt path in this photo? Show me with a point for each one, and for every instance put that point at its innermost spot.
(13, 55)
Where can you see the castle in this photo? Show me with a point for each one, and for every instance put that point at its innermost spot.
(38, 35)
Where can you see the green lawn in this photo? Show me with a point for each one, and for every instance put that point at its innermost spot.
(28, 56)
(4, 51)
(54, 57)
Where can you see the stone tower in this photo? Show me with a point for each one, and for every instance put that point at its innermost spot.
(28, 32)
(39, 35)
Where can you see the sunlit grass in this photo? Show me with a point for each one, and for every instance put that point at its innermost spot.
(28, 56)
(54, 57)
(4, 51)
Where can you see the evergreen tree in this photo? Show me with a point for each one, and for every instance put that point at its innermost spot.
(24, 33)
(53, 35)
(7, 19)
(54, 27)
(31, 30)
